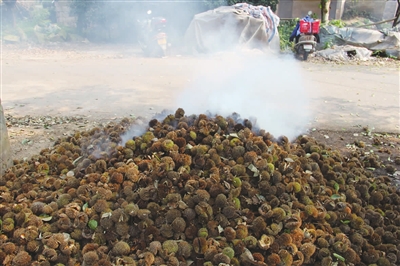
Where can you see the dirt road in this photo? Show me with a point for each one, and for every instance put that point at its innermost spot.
(108, 82)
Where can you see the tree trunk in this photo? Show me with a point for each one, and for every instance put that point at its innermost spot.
(325, 6)
(397, 16)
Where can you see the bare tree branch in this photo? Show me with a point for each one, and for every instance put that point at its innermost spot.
(376, 23)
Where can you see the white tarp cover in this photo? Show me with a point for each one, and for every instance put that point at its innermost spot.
(344, 53)
(228, 27)
(373, 40)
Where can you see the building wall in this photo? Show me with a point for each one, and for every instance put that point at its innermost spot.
(375, 7)
(284, 8)
(337, 9)
(63, 13)
(300, 8)
(390, 9)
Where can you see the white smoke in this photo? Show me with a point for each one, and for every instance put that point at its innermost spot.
(254, 84)
(268, 87)
(138, 128)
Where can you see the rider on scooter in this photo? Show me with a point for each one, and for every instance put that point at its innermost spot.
(296, 31)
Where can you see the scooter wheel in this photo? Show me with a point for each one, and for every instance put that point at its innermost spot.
(305, 55)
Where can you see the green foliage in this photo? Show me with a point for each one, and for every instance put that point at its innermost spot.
(285, 30)
(379, 53)
(314, 16)
(106, 20)
(24, 28)
(328, 44)
(337, 23)
(40, 16)
(27, 27)
(92, 12)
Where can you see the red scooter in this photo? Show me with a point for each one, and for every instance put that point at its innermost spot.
(308, 38)
(153, 38)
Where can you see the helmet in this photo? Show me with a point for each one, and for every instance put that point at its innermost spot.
(309, 13)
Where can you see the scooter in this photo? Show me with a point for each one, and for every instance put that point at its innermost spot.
(308, 38)
(153, 38)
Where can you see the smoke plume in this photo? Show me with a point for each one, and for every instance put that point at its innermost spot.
(267, 87)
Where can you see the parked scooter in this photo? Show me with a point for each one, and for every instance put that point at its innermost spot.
(153, 37)
(307, 41)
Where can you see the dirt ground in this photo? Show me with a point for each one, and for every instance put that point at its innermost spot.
(49, 92)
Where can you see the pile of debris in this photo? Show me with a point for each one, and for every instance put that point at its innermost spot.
(356, 43)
